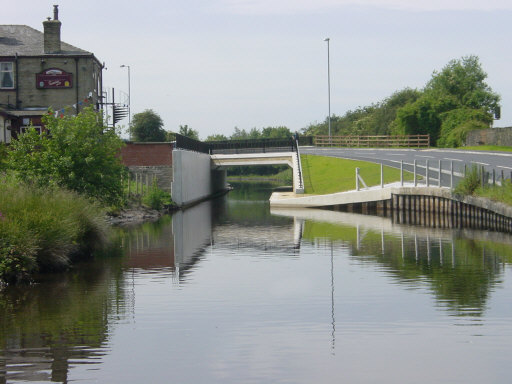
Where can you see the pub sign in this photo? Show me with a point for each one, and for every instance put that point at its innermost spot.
(54, 78)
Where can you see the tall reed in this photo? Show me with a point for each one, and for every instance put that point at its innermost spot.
(43, 229)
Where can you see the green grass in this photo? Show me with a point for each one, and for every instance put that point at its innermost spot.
(502, 193)
(324, 175)
(44, 229)
(496, 148)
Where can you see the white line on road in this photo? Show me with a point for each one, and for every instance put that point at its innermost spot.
(447, 158)
(502, 166)
(431, 157)
(477, 162)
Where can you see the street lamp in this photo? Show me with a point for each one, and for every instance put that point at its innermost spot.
(129, 94)
(329, 85)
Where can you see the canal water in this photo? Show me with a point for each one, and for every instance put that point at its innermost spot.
(230, 291)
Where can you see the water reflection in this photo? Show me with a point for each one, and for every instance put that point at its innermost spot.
(461, 266)
(48, 327)
(231, 291)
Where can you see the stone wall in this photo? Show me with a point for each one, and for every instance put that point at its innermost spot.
(145, 174)
(492, 136)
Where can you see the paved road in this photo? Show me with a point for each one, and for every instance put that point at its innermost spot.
(501, 162)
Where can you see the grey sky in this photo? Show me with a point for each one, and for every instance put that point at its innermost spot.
(219, 64)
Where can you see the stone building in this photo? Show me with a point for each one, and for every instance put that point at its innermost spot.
(38, 71)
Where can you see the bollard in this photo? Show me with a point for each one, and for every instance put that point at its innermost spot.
(357, 179)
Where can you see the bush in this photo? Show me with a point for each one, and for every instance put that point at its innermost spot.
(470, 183)
(42, 228)
(79, 153)
(156, 198)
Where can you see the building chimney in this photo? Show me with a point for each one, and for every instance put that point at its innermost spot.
(52, 32)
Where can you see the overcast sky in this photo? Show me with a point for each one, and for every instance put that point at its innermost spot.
(220, 64)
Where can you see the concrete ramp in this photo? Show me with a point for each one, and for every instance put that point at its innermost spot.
(291, 200)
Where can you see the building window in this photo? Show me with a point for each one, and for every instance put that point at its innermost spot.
(24, 129)
(6, 75)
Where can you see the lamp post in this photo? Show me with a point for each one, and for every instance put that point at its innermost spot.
(329, 86)
(129, 94)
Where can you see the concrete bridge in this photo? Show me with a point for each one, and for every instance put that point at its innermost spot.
(292, 159)
(193, 171)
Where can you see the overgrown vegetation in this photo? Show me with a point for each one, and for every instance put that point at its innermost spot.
(54, 190)
(156, 198)
(471, 185)
(44, 228)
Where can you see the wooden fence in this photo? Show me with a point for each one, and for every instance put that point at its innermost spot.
(404, 141)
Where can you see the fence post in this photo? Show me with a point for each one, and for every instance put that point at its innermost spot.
(381, 175)
(426, 174)
(357, 179)
(415, 181)
(482, 171)
(440, 174)
(451, 176)
(401, 173)
(493, 177)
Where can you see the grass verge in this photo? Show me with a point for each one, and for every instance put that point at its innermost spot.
(324, 175)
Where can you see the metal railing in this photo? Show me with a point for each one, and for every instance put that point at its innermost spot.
(184, 142)
(252, 146)
(402, 141)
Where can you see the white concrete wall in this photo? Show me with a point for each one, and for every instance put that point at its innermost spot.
(193, 178)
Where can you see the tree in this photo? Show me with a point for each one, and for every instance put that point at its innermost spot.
(276, 133)
(147, 126)
(217, 137)
(79, 153)
(458, 87)
(185, 130)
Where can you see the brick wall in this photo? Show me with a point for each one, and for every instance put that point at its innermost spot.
(148, 160)
(147, 154)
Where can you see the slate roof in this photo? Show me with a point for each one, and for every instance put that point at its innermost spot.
(27, 41)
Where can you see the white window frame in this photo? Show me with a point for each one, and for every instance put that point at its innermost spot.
(25, 128)
(2, 71)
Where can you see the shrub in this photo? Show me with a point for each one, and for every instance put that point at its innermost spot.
(469, 184)
(156, 198)
(81, 155)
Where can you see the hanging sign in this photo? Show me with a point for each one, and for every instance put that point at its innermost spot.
(54, 78)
